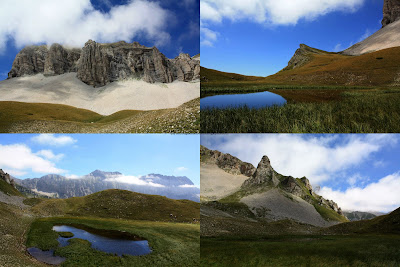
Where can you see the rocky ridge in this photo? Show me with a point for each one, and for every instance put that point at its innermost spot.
(99, 64)
(265, 177)
(391, 12)
(7, 178)
(302, 56)
(226, 162)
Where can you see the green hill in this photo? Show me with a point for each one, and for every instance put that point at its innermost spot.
(8, 189)
(122, 204)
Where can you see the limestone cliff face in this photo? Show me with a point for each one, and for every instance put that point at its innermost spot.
(302, 56)
(391, 11)
(99, 64)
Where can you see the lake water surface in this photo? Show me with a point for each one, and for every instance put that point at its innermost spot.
(253, 100)
(114, 242)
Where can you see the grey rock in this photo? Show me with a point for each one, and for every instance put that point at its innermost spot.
(264, 174)
(302, 56)
(7, 178)
(99, 64)
(391, 11)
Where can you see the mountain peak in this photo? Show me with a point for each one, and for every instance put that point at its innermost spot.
(264, 174)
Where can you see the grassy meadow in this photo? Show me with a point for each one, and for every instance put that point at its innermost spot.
(172, 244)
(334, 110)
(360, 250)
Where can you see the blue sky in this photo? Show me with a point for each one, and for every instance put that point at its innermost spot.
(171, 25)
(236, 38)
(31, 156)
(359, 172)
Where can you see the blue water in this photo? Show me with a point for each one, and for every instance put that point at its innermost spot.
(105, 243)
(46, 256)
(253, 100)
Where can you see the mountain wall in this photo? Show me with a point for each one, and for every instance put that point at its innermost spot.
(155, 184)
(99, 64)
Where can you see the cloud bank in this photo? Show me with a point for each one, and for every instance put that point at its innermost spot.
(283, 12)
(136, 180)
(17, 159)
(73, 22)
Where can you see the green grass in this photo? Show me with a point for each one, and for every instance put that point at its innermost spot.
(373, 250)
(122, 204)
(32, 201)
(172, 244)
(8, 189)
(65, 234)
(371, 111)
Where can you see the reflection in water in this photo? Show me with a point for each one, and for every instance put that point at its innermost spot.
(114, 242)
(46, 256)
(253, 100)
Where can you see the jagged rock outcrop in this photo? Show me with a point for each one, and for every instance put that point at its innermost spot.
(7, 178)
(264, 174)
(99, 64)
(302, 56)
(391, 11)
(226, 162)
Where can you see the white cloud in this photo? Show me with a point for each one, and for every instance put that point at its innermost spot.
(283, 12)
(207, 36)
(132, 180)
(381, 196)
(300, 155)
(73, 22)
(188, 186)
(337, 48)
(48, 154)
(73, 176)
(181, 169)
(17, 159)
(53, 140)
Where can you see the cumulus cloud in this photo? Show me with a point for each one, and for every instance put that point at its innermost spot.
(48, 154)
(17, 159)
(73, 176)
(320, 158)
(53, 140)
(188, 186)
(380, 196)
(136, 180)
(283, 12)
(73, 22)
(181, 169)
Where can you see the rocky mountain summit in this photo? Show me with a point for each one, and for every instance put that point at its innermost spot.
(302, 56)
(391, 11)
(99, 64)
(233, 191)
(156, 184)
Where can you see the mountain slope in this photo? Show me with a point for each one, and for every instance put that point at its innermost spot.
(266, 195)
(122, 204)
(387, 224)
(386, 37)
(358, 215)
(62, 187)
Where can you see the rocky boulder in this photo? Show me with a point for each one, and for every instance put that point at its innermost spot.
(391, 11)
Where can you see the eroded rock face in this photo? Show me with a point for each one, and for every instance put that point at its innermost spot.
(226, 162)
(302, 56)
(7, 178)
(391, 11)
(99, 64)
(264, 174)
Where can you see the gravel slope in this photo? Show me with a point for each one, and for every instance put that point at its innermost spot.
(384, 38)
(123, 95)
(275, 206)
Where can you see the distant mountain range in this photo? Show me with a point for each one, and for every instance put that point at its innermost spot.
(60, 186)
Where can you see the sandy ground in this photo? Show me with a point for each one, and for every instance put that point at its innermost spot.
(123, 95)
(384, 38)
(216, 183)
(275, 206)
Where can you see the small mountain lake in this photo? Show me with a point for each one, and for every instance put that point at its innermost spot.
(252, 100)
(109, 241)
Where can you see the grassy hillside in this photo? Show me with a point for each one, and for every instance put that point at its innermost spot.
(386, 224)
(8, 189)
(43, 117)
(122, 204)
